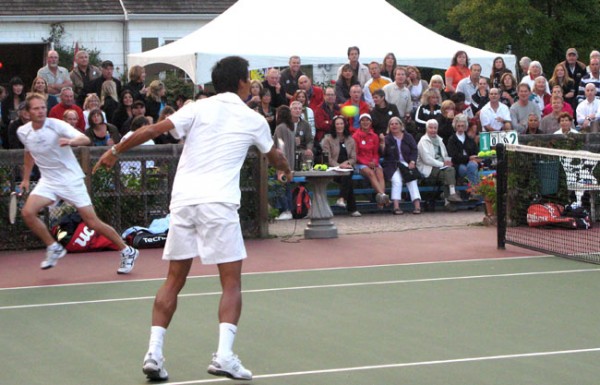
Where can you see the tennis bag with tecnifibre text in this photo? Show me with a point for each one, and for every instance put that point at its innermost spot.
(555, 215)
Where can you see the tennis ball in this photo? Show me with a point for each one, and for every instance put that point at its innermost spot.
(349, 111)
(481, 154)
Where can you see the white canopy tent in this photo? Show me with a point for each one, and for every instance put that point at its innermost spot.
(268, 32)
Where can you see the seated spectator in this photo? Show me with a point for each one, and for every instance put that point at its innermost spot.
(388, 65)
(428, 109)
(461, 106)
(557, 91)
(124, 110)
(495, 116)
(524, 66)
(138, 108)
(307, 113)
(137, 77)
(356, 100)
(587, 110)
(313, 93)
(343, 84)
(253, 100)
(67, 102)
(445, 119)
(560, 77)
(375, 83)
(522, 108)
(271, 83)
(498, 70)
(155, 99)
(398, 93)
(285, 140)
(169, 137)
(533, 125)
(303, 133)
(71, 117)
(12, 140)
(592, 77)
(435, 165)
(40, 86)
(382, 112)
(400, 147)
(325, 113)
(566, 124)
(100, 132)
(535, 71)
(181, 100)
(480, 98)
(458, 70)
(550, 122)
(340, 147)
(14, 97)
(539, 93)
(436, 81)
(92, 101)
(136, 123)
(265, 108)
(463, 151)
(416, 86)
(508, 87)
(368, 147)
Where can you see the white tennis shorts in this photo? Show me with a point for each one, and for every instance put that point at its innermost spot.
(74, 193)
(209, 230)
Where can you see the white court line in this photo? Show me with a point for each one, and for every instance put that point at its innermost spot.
(337, 285)
(284, 271)
(399, 365)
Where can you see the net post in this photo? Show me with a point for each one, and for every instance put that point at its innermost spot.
(501, 188)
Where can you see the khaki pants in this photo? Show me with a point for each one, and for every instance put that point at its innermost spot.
(446, 177)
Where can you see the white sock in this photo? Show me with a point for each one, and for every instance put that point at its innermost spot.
(157, 337)
(452, 190)
(53, 246)
(227, 334)
(126, 250)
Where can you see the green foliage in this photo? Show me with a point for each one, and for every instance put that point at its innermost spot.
(66, 53)
(177, 85)
(431, 13)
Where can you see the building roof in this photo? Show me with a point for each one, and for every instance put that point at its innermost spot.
(112, 7)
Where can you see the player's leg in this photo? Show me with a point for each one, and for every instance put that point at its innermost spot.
(128, 254)
(54, 250)
(164, 307)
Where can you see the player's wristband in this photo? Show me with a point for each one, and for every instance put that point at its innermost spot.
(113, 150)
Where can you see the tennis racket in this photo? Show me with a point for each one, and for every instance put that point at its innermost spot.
(13, 207)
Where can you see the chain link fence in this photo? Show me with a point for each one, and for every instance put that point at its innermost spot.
(133, 193)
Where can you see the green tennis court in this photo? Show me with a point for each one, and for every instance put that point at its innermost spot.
(501, 321)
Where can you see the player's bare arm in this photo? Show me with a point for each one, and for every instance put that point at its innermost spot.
(142, 135)
(79, 140)
(277, 160)
(28, 163)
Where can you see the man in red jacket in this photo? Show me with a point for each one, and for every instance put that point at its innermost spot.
(356, 100)
(67, 102)
(314, 93)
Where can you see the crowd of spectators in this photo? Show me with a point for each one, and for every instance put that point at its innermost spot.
(432, 125)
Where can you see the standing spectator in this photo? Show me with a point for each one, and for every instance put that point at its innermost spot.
(345, 81)
(398, 93)
(382, 112)
(14, 97)
(360, 71)
(67, 102)
(458, 70)
(400, 148)
(434, 163)
(522, 108)
(155, 99)
(272, 84)
(356, 100)
(284, 137)
(560, 77)
(314, 93)
(509, 89)
(302, 131)
(388, 65)
(416, 86)
(575, 70)
(123, 111)
(40, 86)
(470, 84)
(498, 70)
(325, 113)
(107, 69)
(342, 153)
(92, 102)
(137, 77)
(82, 75)
(289, 77)
(368, 147)
(375, 83)
(495, 116)
(265, 108)
(109, 100)
(463, 151)
(57, 77)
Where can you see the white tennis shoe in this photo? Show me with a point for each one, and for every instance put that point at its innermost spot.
(128, 258)
(229, 367)
(53, 254)
(154, 368)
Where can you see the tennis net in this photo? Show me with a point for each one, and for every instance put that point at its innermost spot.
(547, 201)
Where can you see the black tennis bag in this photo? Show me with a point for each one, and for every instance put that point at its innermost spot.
(141, 238)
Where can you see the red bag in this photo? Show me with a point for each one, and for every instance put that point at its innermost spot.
(552, 214)
(76, 237)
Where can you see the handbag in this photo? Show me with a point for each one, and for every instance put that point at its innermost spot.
(409, 174)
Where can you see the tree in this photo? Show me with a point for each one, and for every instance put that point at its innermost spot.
(66, 54)
(431, 13)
